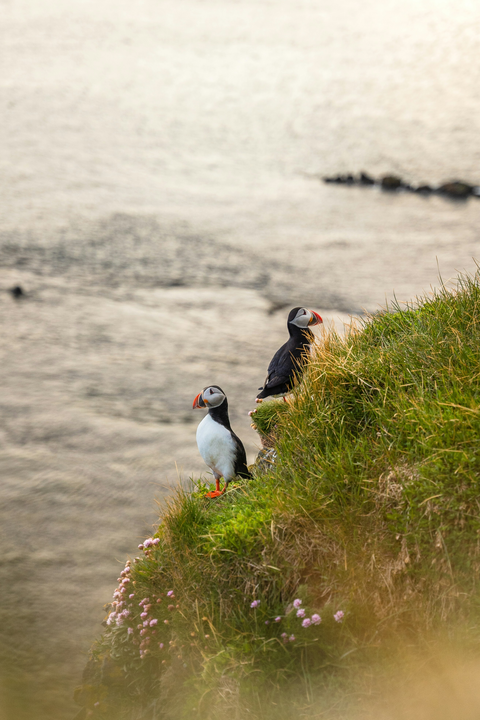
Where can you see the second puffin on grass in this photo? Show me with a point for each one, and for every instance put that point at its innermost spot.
(286, 366)
(221, 449)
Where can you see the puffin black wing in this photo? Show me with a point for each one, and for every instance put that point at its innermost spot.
(241, 468)
(284, 366)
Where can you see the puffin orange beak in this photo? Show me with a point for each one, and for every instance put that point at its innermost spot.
(198, 402)
(315, 319)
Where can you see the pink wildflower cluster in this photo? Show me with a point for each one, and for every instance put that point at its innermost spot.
(124, 610)
(255, 604)
(148, 626)
(121, 605)
(306, 621)
(148, 544)
(338, 617)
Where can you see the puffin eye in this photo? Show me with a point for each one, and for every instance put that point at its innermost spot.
(211, 391)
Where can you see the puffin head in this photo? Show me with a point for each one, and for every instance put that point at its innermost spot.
(210, 397)
(302, 318)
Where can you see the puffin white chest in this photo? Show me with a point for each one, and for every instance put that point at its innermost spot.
(217, 447)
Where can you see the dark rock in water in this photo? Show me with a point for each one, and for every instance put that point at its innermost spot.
(456, 189)
(391, 182)
(365, 179)
(17, 292)
(340, 179)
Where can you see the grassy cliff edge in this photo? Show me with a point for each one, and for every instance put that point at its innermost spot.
(298, 594)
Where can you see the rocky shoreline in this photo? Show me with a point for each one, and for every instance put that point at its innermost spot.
(453, 189)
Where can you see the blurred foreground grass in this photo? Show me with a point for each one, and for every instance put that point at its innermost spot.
(371, 508)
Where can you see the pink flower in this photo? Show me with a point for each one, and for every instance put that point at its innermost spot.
(153, 622)
(170, 593)
(166, 622)
(140, 547)
(143, 615)
(145, 623)
(156, 541)
(147, 543)
(255, 604)
(130, 631)
(143, 631)
(338, 617)
(297, 603)
(278, 619)
(292, 638)
(267, 622)
(131, 596)
(306, 623)
(160, 645)
(316, 619)
(283, 635)
(301, 613)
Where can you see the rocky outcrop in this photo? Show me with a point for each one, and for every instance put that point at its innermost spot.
(454, 189)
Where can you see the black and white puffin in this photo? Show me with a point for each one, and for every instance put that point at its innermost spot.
(221, 449)
(286, 364)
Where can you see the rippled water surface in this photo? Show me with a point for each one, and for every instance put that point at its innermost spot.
(160, 202)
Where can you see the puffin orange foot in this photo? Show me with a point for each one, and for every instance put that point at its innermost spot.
(214, 493)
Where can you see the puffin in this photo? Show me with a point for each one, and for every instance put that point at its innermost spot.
(221, 449)
(286, 364)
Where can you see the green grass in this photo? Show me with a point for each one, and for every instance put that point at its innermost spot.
(372, 507)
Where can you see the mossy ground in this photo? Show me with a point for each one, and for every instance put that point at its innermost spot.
(372, 507)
